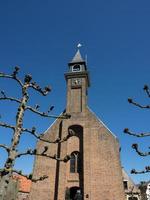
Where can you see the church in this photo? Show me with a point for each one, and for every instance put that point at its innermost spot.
(94, 170)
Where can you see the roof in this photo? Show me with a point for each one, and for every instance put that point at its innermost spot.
(24, 183)
(102, 123)
(77, 57)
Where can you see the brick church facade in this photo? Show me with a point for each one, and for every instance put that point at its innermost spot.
(94, 171)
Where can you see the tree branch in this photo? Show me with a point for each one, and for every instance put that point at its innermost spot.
(5, 147)
(127, 131)
(5, 171)
(138, 105)
(135, 146)
(43, 114)
(2, 75)
(30, 176)
(146, 89)
(40, 136)
(10, 98)
(146, 170)
(7, 125)
(34, 152)
(36, 87)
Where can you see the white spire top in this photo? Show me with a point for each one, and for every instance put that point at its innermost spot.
(79, 45)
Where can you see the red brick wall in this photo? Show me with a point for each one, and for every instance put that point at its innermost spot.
(102, 168)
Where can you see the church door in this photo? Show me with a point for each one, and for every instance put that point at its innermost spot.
(132, 198)
(73, 193)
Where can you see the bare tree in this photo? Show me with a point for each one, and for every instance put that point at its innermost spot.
(7, 171)
(140, 135)
(143, 187)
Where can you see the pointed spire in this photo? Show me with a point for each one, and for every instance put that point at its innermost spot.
(77, 57)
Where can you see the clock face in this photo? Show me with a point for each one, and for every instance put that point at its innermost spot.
(75, 82)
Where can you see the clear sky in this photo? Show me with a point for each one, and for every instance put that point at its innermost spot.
(41, 37)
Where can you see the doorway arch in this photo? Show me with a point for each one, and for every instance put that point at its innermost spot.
(74, 193)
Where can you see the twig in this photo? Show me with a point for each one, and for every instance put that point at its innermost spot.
(40, 136)
(36, 87)
(2, 75)
(135, 146)
(7, 125)
(30, 176)
(5, 147)
(146, 88)
(43, 114)
(147, 170)
(138, 105)
(39, 179)
(34, 152)
(10, 98)
(127, 131)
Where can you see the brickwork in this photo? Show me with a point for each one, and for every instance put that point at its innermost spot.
(102, 168)
(23, 196)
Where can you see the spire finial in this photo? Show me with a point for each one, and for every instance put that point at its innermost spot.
(79, 45)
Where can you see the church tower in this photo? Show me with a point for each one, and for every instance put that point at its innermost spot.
(77, 84)
(94, 170)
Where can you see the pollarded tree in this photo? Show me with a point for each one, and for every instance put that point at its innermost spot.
(143, 188)
(140, 135)
(6, 173)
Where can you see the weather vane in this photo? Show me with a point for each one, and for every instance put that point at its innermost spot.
(79, 45)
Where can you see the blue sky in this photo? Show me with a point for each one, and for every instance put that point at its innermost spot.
(41, 37)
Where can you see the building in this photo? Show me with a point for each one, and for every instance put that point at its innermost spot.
(94, 171)
(18, 188)
(23, 188)
(132, 191)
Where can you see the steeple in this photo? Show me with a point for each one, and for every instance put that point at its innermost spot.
(77, 84)
(77, 58)
(77, 64)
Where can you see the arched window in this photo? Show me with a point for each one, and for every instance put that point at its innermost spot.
(73, 193)
(75, 162)
(76, 68)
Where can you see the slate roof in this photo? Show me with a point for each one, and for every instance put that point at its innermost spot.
(77, 57)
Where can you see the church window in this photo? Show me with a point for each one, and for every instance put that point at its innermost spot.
(76, 68)
(72, 163)
(132, 198)
(125, 184)
(75, 162)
